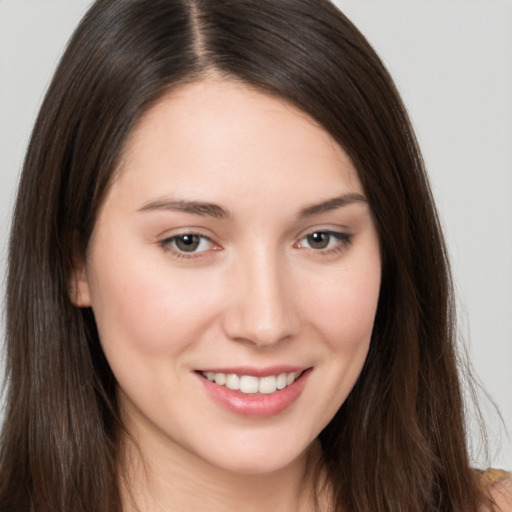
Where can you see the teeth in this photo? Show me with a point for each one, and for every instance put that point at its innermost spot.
(267, 385)
(281, 381)
(250, 384)
(233, 381)
(290, 377)
(220, 378)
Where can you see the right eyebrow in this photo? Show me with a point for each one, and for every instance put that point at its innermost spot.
(194, 207)
(332, 204)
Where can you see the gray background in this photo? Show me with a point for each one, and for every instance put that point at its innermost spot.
(452, 61)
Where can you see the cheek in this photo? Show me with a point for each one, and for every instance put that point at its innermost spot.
(146, 307)
(343, 311)
(345, 307)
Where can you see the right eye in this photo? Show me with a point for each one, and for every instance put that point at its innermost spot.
(325, 241)
(187, 244)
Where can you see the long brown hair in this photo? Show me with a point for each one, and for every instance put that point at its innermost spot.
(398, 442)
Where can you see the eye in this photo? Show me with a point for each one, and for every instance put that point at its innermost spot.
(188, 243)
(324, 241)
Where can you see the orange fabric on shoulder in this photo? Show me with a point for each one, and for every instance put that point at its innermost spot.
(492, 476)
(498, 486)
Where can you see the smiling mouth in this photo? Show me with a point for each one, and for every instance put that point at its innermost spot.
(250, 384)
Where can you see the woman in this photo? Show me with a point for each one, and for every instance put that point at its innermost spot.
(227, 282)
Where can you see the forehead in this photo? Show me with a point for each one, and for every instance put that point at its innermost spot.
(214, 134)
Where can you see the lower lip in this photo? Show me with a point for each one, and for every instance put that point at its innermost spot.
(256, 405)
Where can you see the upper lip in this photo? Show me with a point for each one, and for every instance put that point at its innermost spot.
(254, 371)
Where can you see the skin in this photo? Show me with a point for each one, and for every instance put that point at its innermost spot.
(502, 494)
(255, 292)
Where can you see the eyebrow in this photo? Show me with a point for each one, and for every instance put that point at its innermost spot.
(217, 212)
(331, 204)
(195, 207)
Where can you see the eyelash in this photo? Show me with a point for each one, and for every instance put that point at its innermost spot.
(342, 241)
(169, 244)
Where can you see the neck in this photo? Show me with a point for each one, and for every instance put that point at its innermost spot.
(159, 480)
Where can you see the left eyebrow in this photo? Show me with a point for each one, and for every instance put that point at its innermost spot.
(331, 204)
(194, 207)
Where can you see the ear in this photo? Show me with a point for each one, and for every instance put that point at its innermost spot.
(79, 290)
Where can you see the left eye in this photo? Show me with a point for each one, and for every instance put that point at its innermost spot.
(322, 240)
(189, 243)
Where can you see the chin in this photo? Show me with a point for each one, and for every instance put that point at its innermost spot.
(258, 462)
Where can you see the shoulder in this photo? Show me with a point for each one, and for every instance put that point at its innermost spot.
(498, 485)
(501, 493)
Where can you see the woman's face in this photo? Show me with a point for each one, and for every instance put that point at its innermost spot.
(234, 273)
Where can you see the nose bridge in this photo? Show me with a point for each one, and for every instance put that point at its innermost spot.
(262, 306)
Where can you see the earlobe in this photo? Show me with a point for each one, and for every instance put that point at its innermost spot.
(79, 291)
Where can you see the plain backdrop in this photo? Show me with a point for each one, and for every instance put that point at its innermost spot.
(452, 62)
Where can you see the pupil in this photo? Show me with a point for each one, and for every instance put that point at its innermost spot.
(319, 240)
(187, 243)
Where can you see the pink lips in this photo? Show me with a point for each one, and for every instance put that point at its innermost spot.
(256, 405)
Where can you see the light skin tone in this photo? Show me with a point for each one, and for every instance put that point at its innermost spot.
(235, 234)
(501, 493)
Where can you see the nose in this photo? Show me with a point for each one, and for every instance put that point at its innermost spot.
(261, 303)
